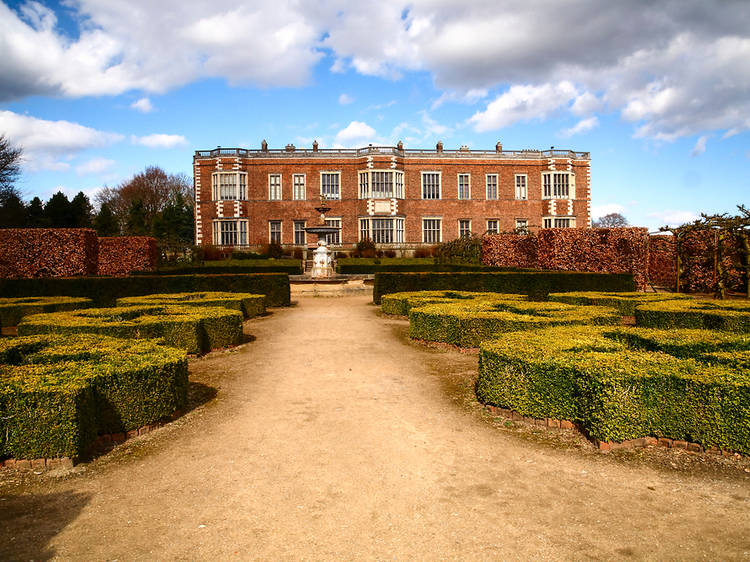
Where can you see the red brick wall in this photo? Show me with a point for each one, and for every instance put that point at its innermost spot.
(120, 255)
(478, 209)
(613, 250)
(48, 252)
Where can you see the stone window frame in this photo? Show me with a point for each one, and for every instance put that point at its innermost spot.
(522, 191)
(549, 190)
(271, 187)
(241, 228)
(552, 221)
(439, 184)
(397, 229)
(467, 232)
(497, 226)
(487, 186)
(299, 231)
(239, 185)
(295, 187)
(331, 172)
(458, 186)
(271, 232)
(439, 230)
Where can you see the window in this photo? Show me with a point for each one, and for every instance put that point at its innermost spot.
(230, 232)
(464, 191)
(377, 184)
(464, 227)
(382, 230)
(521, 192)
(334, 239)
(298, 187)
(430, 185)
(522, 225)
(558, 185)
(274, 232)
(274, 187)
(229, 186)
(559, 222)
(432, 231)
(491, 186)
(300, 236)
(492, 226)
(329, 185)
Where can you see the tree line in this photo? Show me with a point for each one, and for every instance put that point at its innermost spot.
(151, 203)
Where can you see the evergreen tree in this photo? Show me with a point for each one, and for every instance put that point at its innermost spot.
(35, 214)
(57, 211)
(12, 210)
(81, 211)
(105, 222)
(174, 224)
(135, 225)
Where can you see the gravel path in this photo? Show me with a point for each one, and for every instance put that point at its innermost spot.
(364, 452)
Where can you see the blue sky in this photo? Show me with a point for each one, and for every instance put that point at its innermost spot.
(658, 92)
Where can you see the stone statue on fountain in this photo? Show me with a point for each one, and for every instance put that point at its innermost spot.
(322, 263)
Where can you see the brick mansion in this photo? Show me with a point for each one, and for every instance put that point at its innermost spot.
(394, 196)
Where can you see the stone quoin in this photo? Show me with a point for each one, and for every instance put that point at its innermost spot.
(396, 197)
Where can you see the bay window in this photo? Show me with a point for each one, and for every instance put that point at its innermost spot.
(230, 232)
(228, 186)
(385, 230)
(379, 184)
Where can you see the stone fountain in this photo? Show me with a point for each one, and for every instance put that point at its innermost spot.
(322, 263)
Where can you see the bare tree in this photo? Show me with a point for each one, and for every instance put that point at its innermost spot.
(10, 165)
(611, 220)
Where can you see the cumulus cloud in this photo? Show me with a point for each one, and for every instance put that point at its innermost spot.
(700, 146)
(673, 69)
(345, 99)
(159, 140)
(598, 211)
(583, 126)
(94, 166)
(355, 134)
(523, 103)
(47, 145)
(143, 105)
(672, 217)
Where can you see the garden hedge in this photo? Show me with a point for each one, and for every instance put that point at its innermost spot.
(121, 255)
(289, 266)
(57, 392)
(534, 283)
(12, 310)
(467, 323)
(625, 303)
(194, 329)
(402, 303)
(249, 305)
(106, 290)
(374, 265)
(617, 389)
(731, 316)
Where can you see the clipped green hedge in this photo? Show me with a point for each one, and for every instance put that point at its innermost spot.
(534, 283)
(12, 310)
(402, 303)
(289, 266)
(57, 392)
(375, 265)
(106, 290)
(730, 316)
(625, 303)
(618, 389)
(194, 329)
(249, 305)
(466, 323)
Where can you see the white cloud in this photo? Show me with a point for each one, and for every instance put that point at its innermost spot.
(143, 105)
(470, 97)
(47, 144)
(672, 217)
(598, 211)
(345, 99)
(523, 103)
(380, 106)
(158, 140)
(700, 146)
(583, 126)
(94, 166)
(676, 69)
(355, 134)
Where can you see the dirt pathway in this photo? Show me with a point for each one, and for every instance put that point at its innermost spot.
(359, 454)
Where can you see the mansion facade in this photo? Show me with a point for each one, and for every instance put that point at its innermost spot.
(393, 196)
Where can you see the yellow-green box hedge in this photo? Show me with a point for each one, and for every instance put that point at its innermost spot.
(13, 309)
(194, 329)
(729, 316)
(249, 304)
(468, 323)
(401, 303)
(620, 384)
(57, 392)
(625, 303)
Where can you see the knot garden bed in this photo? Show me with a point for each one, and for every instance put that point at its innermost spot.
(12, 310)
(249, 304)
(557, 361)
(192, 328)
(58, 392)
